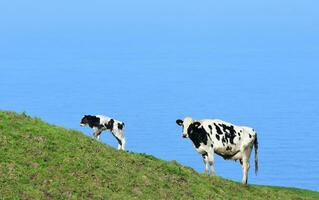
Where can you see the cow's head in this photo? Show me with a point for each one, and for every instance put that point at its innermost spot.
(89, 120)
(184, 124)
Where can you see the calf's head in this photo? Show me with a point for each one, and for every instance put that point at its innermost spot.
(89, 120)
(84, 120)
(184, 124)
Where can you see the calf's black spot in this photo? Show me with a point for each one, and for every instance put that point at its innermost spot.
(120, 126)
(110, 124)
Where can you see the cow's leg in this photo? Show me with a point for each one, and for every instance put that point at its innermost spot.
(245, 167)
(245, 164)
(211, 164)
(205, 159)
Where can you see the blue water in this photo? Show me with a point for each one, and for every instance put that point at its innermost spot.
(277, 97)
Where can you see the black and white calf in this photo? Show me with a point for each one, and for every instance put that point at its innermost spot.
(100, 123)
(227, 140)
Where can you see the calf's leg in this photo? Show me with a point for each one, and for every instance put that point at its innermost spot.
(96, 133)
(119, 136)
(121, 145)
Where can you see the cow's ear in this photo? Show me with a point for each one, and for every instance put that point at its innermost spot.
(179, 122)
(196, 124)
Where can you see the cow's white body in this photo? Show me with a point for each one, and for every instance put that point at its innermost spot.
(232, 142)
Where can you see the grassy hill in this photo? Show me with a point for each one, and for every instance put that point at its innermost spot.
(43, 161)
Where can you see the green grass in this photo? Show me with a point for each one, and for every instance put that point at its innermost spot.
(43, 161)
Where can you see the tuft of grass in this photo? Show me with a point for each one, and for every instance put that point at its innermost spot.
(43, 161)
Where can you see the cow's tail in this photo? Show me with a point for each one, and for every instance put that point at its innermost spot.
(256, 154)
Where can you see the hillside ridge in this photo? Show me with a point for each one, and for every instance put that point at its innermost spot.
(43, 161)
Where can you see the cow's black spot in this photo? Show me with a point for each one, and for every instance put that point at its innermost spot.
(249, 136)
(238, 134)
(197, 135)
(217, 137)
(212, 145)
(230, 132)
(229, 128)
(219, 131)
(211, 132)
(224, 140)
(204, 155)
(239, 138)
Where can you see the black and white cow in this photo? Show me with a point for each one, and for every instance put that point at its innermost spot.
(100, 123)
(227, 140)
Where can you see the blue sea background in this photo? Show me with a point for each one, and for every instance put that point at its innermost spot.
(150, 63)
